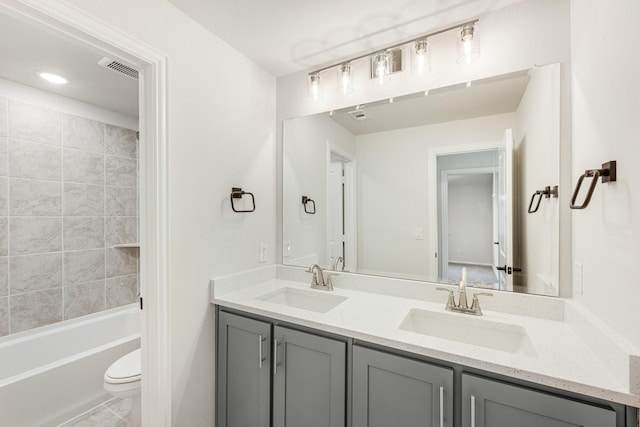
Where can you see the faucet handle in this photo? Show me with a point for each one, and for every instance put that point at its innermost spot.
(328, 282)
(475, 304)
(478, 294)
(450, 300)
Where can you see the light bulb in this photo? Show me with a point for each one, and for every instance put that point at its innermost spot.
(468, 44)
(381, 63)
(314, 87)
(421, 57)
(344, 78)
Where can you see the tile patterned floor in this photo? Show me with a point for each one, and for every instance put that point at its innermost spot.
(112, 413)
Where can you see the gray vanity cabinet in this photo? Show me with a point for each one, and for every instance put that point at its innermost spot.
(296, 378)
(390, 390)
(489, 403)
(309, 381)
(244, 377)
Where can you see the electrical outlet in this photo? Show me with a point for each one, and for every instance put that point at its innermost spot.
(263, 252)
(286, 248)
(577, 279)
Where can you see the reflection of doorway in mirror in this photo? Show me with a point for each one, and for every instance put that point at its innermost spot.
(341, 229)
(468, 225)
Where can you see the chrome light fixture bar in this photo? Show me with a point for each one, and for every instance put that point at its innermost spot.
(467, 34)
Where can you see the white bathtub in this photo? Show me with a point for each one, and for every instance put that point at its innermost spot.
(51, 373)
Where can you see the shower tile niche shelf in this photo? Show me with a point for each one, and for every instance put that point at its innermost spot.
(127, 245)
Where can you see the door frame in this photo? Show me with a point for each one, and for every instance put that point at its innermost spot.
(77, 25)
(432, 191)
(444, 207)
(350, 205)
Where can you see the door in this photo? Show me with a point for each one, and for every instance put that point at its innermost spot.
(309, 380)
(488, 403)
(244, 383)
(341, 210)
(336, 211)
(505, 213)
(390, 390)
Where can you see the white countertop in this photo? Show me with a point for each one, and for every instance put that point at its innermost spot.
(564, 360)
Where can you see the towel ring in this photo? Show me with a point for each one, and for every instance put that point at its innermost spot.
(608, 173)
(305, 202)
(237, 193)
(547, 193)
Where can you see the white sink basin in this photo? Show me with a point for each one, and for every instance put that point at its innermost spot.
(470, 330)
(318, 301)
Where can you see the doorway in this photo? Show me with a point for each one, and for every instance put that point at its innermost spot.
(341, 210)
(468, 224)
(80, 28)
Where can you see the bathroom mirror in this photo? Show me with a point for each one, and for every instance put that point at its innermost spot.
(420, 186)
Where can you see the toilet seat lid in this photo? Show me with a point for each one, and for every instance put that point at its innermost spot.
(126, 369)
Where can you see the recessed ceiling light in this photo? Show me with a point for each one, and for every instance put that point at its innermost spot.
(53, 78)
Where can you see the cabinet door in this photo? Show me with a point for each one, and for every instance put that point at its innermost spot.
(488, 403)
(309, 380)
(244, 380)
(390, 390)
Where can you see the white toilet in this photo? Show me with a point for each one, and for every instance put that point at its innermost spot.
(123, 378)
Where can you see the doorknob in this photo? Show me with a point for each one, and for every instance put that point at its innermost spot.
(509, 270)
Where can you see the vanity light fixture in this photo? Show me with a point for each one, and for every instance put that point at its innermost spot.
(386, 61)
(52, 78)
(468, 44)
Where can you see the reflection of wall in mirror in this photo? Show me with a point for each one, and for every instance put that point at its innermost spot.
(305, 173)
(392, 191)
(537, 138)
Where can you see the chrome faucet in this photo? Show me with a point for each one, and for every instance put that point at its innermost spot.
(318, 281)
(462, 305)
(336, 261)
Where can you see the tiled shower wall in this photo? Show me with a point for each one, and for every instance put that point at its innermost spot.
(68, 194)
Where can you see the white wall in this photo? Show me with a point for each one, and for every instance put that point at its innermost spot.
(393, 189)
(606, 113)
(53, 101)
(305, 171)
(513, 38)
(537, 139)
(221, 124)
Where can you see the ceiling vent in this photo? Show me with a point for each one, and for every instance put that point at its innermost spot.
(358, 115)
(119, 67)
